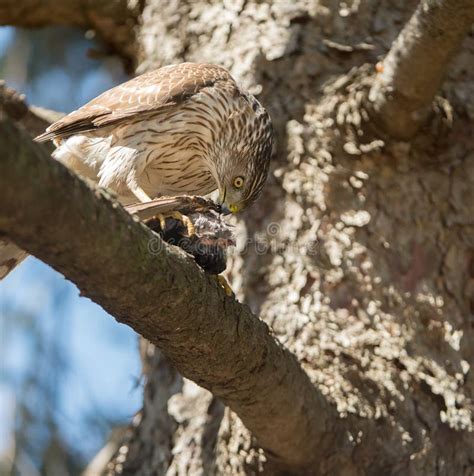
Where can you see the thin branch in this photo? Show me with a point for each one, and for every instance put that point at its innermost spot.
(415, 67)
(114, 20)
(164, 296)
(34, 119)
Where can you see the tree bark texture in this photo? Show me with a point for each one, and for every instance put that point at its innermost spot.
(416, 64)
(364, 267)
(368, 277)
(164, 296)
(34, 120)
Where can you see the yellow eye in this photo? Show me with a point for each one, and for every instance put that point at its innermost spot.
(238, 182)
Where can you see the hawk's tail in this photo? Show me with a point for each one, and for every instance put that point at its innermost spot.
(10, 256)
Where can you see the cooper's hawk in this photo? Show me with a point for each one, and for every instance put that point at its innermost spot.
(182, 129)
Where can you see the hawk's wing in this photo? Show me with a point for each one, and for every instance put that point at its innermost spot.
(183, 203)
(144, 94)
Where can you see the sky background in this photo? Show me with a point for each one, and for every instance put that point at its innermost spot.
(68, 370)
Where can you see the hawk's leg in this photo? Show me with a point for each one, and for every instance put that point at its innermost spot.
(140, 194)
(222, 281)
(186, 221)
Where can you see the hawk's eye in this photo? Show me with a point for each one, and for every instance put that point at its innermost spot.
(238, 182)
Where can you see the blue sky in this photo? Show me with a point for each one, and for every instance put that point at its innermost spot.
(45, 327)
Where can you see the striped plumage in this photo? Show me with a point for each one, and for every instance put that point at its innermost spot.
(186, 128)
(182, 129)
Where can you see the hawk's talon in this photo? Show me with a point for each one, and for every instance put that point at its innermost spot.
(224, 284)
(185, 220)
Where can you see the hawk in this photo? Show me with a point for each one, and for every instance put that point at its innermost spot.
(182, 129)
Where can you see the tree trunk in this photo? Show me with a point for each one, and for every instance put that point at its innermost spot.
(365, 256)
(359, 256)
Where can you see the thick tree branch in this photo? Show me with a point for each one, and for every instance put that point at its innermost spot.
(114, 20)
(416, 64)
(210, 338)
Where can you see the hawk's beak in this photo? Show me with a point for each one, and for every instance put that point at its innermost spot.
(227, 208)
(231, 208)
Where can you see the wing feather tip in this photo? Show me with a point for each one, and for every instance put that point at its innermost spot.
(45, 136)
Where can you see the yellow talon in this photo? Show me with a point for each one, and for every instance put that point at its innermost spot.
(162, 220)
(186, 221)
(224, 284)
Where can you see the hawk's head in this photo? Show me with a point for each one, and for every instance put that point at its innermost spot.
(243, 169)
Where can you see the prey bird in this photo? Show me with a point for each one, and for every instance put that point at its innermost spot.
(182, 129)
(209, 242)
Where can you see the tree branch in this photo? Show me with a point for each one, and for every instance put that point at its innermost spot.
(209, 337)
(114, 20)
(414, 68)
(34, 119)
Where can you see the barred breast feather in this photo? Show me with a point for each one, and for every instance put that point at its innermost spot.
(182, 129)
(155, 131)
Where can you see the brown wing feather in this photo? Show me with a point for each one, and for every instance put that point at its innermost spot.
(183, 203)
(144, 94)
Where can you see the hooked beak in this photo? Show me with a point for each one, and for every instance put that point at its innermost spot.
(226, 209)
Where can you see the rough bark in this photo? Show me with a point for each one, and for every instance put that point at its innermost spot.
(416, 65)
(216, 341)
(34, 120)
(367, 276)
(377, 307)
(114, 20)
